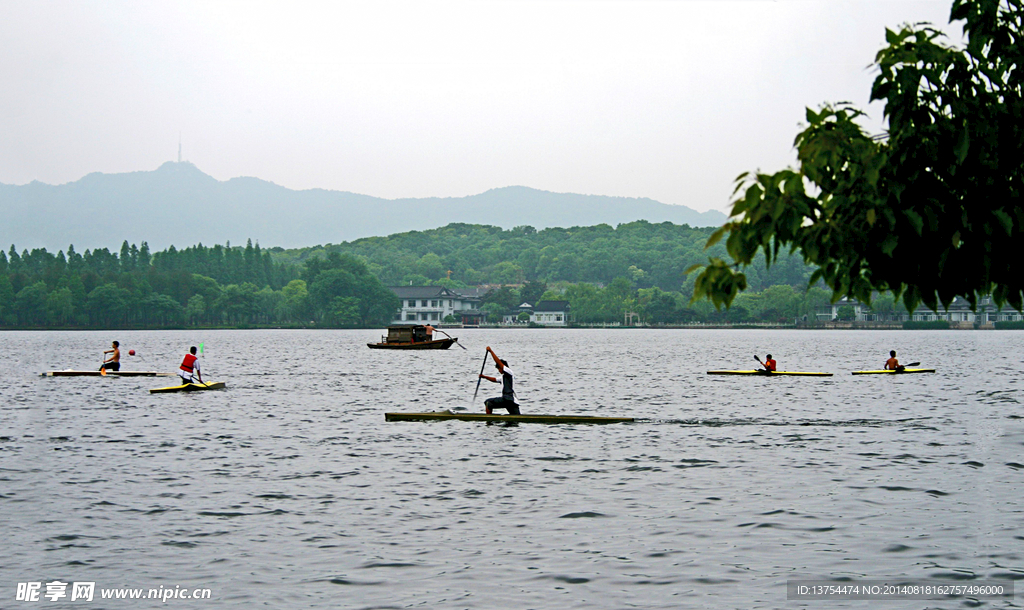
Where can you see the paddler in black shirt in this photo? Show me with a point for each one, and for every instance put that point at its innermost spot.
(507, 400)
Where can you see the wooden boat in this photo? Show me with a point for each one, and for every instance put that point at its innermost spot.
(888, 372)
(190, 387)
(71, 373)
(762, 373)
(411, 336)
(520, 419)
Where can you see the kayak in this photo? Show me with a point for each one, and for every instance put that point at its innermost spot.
(772, 374)
(71, 373)
(884, 372)
(190, 387)
(522, 419)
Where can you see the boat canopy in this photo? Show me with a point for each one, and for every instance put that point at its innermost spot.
(407, 333)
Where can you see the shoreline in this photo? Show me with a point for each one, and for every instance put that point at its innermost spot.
(611, 327)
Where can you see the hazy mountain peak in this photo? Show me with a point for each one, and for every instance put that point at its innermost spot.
(179, 204)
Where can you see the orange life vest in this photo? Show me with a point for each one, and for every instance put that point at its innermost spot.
(188, 362)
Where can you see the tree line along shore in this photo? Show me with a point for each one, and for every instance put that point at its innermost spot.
(602, 271)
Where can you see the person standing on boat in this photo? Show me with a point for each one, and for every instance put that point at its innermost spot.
(114, 362)
(507, 400)
(892, 364)
(769, 364)
(430, 332)
(189, 368)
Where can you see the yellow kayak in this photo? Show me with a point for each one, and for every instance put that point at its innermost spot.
(190, 387)
(521, 419)
(72, 373)
(890, 372)
(762, 373)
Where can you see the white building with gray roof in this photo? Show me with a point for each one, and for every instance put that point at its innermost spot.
(432, 304)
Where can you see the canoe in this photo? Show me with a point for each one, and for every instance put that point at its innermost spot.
(435, 344)
(883, 372)
(763, 374)
(70, 373)
(189, 387)
(521, 419)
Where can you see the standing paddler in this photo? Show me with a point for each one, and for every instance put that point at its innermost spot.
(507, 400)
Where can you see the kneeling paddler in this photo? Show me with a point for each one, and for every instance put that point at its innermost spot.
(507, 400)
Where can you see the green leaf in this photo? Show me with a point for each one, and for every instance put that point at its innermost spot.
(1005, 220)
(888, 245)
(963, 144)
(915, 220)
(715, 237)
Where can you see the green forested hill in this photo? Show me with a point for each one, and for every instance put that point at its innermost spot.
(602, 271)
(648, 255)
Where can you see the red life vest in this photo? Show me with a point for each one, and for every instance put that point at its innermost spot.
(770, 365)
(186, 364)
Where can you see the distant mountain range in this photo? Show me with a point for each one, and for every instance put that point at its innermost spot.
(178, 204)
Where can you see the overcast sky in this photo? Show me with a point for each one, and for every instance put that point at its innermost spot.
(668, 100)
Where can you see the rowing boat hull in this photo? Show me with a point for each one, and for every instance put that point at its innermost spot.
(903, 372)
(189, 387)
(437, 344)
(70, 373)
(520, 419)
(773, 374)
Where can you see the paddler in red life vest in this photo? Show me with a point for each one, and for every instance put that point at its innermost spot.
(892, 364)
(190, 367)
(769, 364)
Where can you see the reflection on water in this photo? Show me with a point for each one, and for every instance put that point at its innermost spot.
(289, 490)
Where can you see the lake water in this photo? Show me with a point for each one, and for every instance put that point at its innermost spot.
(289, 490)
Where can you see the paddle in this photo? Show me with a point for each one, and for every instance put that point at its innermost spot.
(479, 379)
(764, 369)
(201, 352)
(453, 339)
(901, 367)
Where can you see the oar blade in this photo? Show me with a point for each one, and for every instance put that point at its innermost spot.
(479, 379)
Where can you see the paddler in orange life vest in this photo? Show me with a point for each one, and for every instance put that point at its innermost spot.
(190, 367)
(892, 364)
(769, 364)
